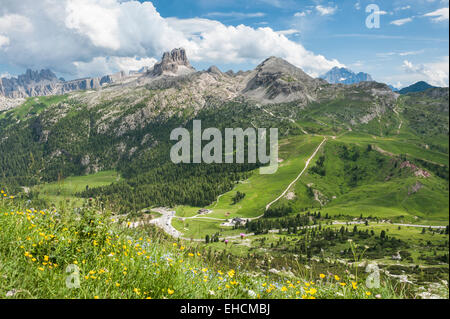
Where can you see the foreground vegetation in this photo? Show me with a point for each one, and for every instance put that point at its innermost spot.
(41, 252)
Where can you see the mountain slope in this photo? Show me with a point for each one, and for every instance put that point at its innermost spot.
(277, 81)
(416, 87)
(126, 127)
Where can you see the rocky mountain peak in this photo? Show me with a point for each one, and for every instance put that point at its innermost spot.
(37, 76)
(173, 63)
(282, 69)
(214, 70)
(345, 76)
(176, 55)
(275, 81)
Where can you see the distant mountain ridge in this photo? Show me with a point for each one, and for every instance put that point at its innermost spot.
(393, 88)
(273, 81)
(345, 76)
(416, 87)
(45, 82)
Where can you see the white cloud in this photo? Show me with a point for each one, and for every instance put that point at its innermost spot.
(406, 53)
(4, 41)
(109, 65)
(288, 32)
(380, 12)
(63, 33)
(358, 5)
(403, 8)
(435, 73)
(402, 53)
(16, 22)
(12, 23)
(440, 15)
(302, 13)
(213, 41)
(98, 21)
(237, 15)
(84, 37)
(400, 22)
(323, 11)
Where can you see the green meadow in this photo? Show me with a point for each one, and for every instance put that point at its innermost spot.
(67, 189)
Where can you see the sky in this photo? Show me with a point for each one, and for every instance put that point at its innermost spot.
(397, 42)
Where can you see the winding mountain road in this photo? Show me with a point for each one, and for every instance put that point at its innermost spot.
(165, 221)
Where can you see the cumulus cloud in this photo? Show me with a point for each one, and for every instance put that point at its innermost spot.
(87, 37)
(213, 41)
(109, 65)
(65, 34)
(435, 73)
(12, 24)
(438, 15)
(15, 22)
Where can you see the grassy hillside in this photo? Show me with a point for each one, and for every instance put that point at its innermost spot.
(67, 189)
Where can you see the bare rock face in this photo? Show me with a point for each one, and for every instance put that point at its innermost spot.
(32, 83)
(45, 82)
(8, 103)
(173, 63)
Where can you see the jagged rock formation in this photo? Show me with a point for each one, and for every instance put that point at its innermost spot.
(345, 76)
(45, 82)
(32, 83)
(173, 63)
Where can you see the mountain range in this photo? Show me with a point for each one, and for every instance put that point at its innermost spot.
(345, 76)
(174, 63)
(45, 82)
(168, 90)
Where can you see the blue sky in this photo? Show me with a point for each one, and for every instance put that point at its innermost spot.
(101, 36)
